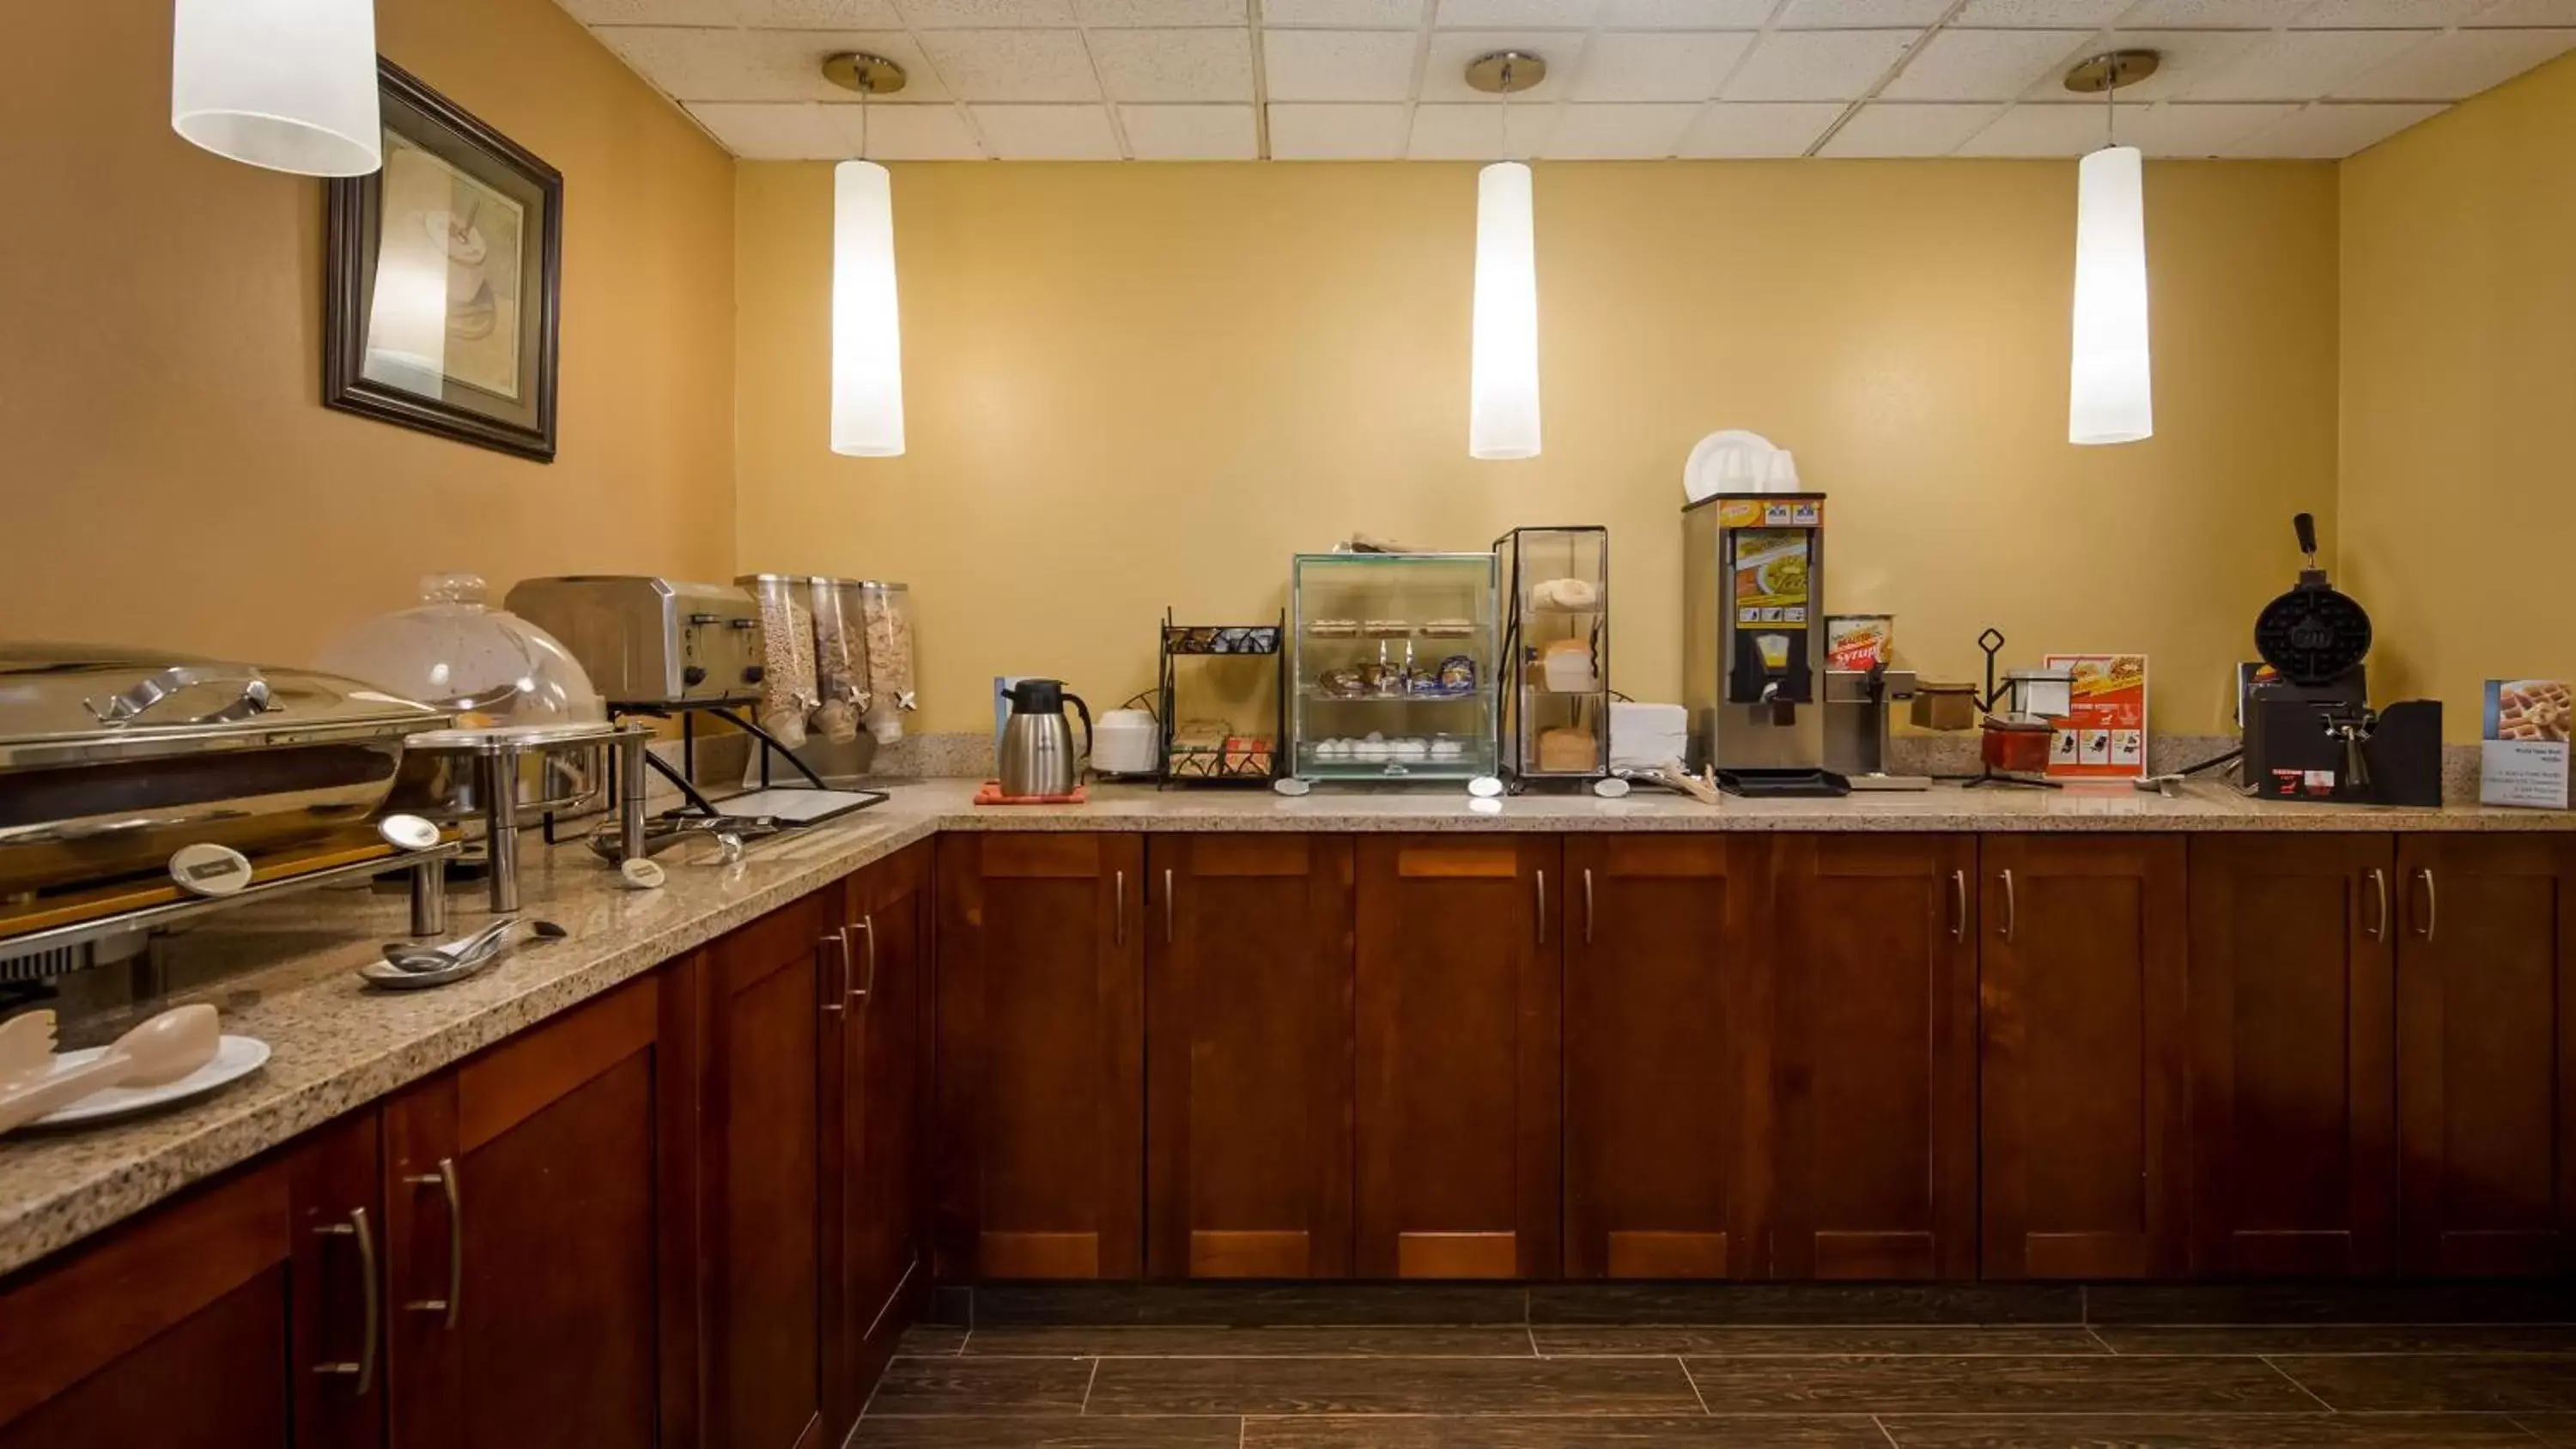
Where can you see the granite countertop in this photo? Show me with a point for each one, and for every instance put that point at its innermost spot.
(284, 972)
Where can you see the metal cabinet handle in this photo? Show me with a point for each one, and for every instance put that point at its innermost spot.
(2432, 903)
(1167, 905)
(369, 1304)
(2012, 906)
(1118, 893)
(2379, 886)
(839, 941)
(1542, 908)
(862, 994)
(1958, 905)
(445, 1180)
(1587, 905)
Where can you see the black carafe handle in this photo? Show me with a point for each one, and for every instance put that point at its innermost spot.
(1083, 710)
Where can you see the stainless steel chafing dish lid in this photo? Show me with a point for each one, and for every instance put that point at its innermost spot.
(78, 704)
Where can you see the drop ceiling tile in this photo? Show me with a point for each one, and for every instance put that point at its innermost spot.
(819, 14)
(904, 133)
(1345, 14)
(1617, 132)
(1190, 133)
(2028, 130)
(1174, 65)
(986, 14)
(2299, 65)
(1444, 65)
(650, 12)
(788, 64)
(1985, 65)
(1758, 128)
(1013, 65)
(766, 131)
(2331, 132)
(1816, 65)
(2042, 14)
(1338, 65)
(2187, 55)
(2528, 12)
(1860, 14)
(1337, 133)
(2457, 65)
(2213, 14)
(691, 65)
(1105, 13)
(1663, 66)
(1477, 132)
(1909, 130)
(1522, 14)
(1048, 133)
(2392, 14)
(2190, 129)
(1686, 14)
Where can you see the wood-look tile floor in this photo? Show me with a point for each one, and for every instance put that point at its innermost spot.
(2094, 1382)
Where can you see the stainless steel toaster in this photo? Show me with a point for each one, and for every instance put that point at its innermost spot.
(651, 641)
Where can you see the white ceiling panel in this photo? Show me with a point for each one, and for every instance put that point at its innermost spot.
(2195, 130)
(2041, 14)
(905, 133)
(1909, 130)
(1860, 14)
(1758, 128)
(688, 65)
(768, 131)
(1345, 14)
(1444, 65)
(2458, 64)
(1817, 65)
(1659, 67)
(2368, 14)
(1515, 14)
(2038, 131)
(1106, 13)
(2213, 14)
(1013, 65)
(1985, 65)
(2300, 65)
(1478, 132)
(2330, 131)
(2187, 55)
(1686, 14)
(1337, 133)
(1618, 132)
(1338, 65)
(986, 14)
(1174, 65)
(2528, 12)
(788, 64)
(819, 14)
(1190, 133)
(1047, 133)
(651, 12)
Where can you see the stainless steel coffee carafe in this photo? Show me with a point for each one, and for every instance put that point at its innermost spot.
(1037, 755)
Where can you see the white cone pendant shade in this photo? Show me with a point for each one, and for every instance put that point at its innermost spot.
(867, 336)
(2112, 399)
(285, 84)
(1502, 416)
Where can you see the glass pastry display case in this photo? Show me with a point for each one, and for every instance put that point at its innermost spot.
(1391, 666)
(1556, 639)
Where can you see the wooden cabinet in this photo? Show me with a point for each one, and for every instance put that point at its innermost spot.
(1248, 1009)
(1874, 1051)
(2081, 978)
(1666, 1081)
(874, 1127)
(1458, 981)
(2291, 1015)
(1041, 1055)
(233, 1318)
(539, 1253)
(2486, 1053)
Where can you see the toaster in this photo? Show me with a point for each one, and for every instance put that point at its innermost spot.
(647, 641)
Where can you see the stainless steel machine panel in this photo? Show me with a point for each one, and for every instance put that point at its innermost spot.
(1744, 714)
(647, 640)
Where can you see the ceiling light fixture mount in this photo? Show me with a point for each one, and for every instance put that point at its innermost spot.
(2112, 70)
(869, 75)
(1506, 72)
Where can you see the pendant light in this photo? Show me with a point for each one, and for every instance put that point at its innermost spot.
(867, 332)
(289, 85)
(2111, 396)
(1502, 409)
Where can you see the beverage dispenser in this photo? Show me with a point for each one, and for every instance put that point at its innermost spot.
(1753, 641)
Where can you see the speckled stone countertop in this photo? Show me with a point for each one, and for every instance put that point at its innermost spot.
(285, 972)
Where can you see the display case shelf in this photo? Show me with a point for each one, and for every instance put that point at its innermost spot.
(1416, 588)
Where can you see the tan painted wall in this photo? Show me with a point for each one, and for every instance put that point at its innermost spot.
(1146, 385)
(2459, 393)
(171, 475)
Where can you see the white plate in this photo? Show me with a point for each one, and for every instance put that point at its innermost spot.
(236, 1057)
(1701, 477)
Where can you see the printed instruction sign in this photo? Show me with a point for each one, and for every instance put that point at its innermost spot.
(2522, 757)
(2104, 733)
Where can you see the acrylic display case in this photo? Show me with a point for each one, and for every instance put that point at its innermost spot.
(1392, 666)
(1556, 637)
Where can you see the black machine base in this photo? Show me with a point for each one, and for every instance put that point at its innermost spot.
(1783, 784)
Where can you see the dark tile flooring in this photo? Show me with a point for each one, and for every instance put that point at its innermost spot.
(1752, 1368)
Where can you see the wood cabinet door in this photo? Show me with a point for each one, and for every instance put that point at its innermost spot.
(2081, 983)
(2486, 1053)
(874, 1127)
(232, 1318)
(539, 1253)
(1458, 988)
(1248, 1020)
(1875, 1057)
(1041, 1056)
(2293, 1084)
(1666, 1082)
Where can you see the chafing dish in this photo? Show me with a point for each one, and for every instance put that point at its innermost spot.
(111, 759)
(651, 641)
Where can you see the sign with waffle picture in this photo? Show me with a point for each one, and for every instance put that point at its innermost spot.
(2522, 759)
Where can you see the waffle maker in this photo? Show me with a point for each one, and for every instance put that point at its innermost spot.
(2310, 733)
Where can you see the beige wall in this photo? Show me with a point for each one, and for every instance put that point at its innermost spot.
(2459, 394)
(171, 477)
(1144, 385)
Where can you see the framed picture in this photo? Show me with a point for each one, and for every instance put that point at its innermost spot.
(442, 281)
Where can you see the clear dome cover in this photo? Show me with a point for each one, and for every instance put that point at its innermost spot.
(488, 666)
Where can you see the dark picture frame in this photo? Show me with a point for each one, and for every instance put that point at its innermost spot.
(462, 339)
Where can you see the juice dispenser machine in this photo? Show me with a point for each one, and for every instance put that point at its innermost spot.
(1753, 641)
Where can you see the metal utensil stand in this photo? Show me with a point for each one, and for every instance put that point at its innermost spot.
(682, 776)
(1992, 642)
(1181, 642)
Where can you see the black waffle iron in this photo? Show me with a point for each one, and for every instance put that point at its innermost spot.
(2310, 733)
